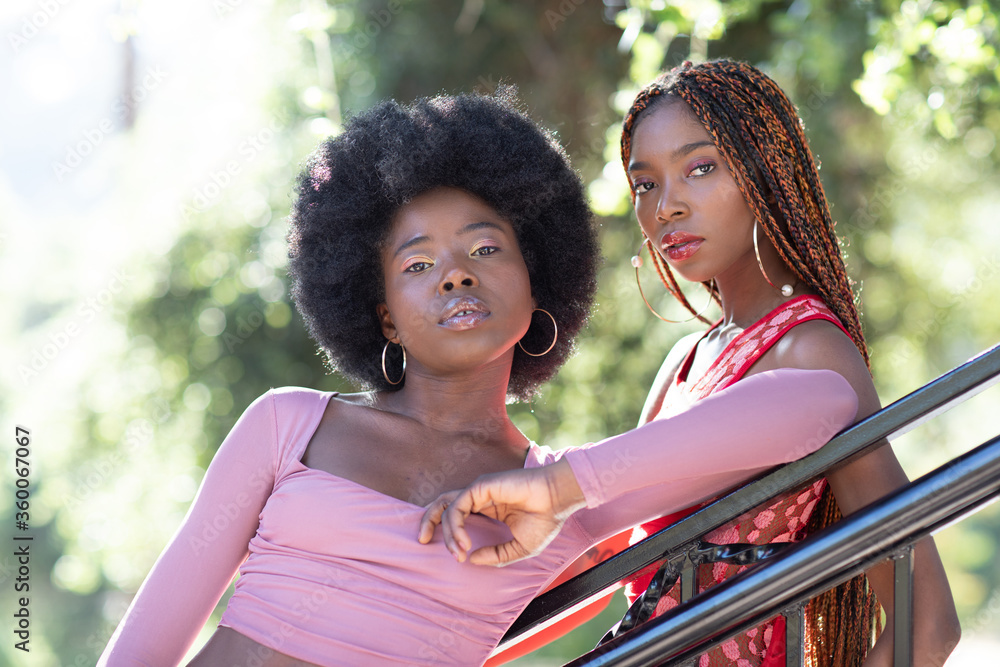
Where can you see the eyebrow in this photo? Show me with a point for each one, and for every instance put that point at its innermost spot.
(471, 227)
(676, 154)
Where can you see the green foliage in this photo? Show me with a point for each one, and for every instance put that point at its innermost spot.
(901, 104)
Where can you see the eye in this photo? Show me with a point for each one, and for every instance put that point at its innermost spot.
(485, 250)
(702, 169)
(417, 267)
(643, 186)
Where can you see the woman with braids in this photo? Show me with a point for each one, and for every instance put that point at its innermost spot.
(443, 256)
(728, 195)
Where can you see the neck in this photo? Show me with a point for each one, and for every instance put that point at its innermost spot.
(473, 403)
(746, 296)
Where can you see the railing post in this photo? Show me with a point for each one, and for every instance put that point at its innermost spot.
(689, 578)
(902, 653)
(689, 585)
(795, 635)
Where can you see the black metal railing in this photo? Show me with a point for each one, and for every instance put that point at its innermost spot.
(886, 529)
(675, 541)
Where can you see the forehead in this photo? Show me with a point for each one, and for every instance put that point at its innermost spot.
(669, 124)
(442, 209)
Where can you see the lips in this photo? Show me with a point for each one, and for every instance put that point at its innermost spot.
(680, 245)
(463, 312)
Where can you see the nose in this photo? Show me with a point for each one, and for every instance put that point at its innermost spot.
(671, 204)
(455, 276)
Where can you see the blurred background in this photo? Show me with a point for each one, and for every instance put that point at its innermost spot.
(147, 154)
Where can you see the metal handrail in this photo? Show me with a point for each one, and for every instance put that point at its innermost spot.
(825, 559)
(901, 416)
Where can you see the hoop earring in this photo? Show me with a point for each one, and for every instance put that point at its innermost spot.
(384, 373)
(787, 289)
(555, 336)
(637, 262)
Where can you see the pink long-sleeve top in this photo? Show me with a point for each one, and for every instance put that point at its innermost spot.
(331, 571)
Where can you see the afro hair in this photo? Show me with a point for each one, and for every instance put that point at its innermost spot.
(353, 184)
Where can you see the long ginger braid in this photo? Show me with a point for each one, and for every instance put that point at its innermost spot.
(760, 136)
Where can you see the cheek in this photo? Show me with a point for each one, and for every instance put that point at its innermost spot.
(519, 283)
(731, 202)
(407, 320)
(645, 214)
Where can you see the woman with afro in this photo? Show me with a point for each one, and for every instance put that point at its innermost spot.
(443, 256)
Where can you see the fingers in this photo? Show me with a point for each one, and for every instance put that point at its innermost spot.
(432, 516)
(448, 510)
(499, 555)
(456, 539)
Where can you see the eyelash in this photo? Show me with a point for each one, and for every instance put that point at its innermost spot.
(709, 166)
(639, 189)
(413, 268)
(492, 249)
(700, 165)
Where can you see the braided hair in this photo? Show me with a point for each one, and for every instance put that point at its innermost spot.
(760, 136)
(767, 153)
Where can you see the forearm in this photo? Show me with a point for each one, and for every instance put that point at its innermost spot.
(165, 616)
(758, 423)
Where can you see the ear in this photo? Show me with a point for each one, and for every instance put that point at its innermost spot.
(385, 319)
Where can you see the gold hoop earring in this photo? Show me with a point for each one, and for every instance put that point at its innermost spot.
(787, 289)
(637, 262)
(555, 336)
(384, 373)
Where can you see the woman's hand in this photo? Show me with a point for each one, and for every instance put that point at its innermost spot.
(534, 503)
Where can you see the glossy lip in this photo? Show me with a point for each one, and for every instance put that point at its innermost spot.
(680, 245)
(463, 312)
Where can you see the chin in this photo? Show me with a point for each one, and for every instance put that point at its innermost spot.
(691, 276)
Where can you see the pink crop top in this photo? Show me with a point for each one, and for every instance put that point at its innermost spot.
(331, 571)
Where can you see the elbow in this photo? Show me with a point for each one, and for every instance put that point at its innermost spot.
(843, 404)
(938, 639)
(949, 629)
(949, 634)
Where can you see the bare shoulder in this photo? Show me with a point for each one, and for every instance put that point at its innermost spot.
(365, 398)
(668, 369)
(348, 410)
(819, 344)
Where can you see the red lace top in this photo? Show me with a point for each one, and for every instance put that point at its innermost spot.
(784, 520)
